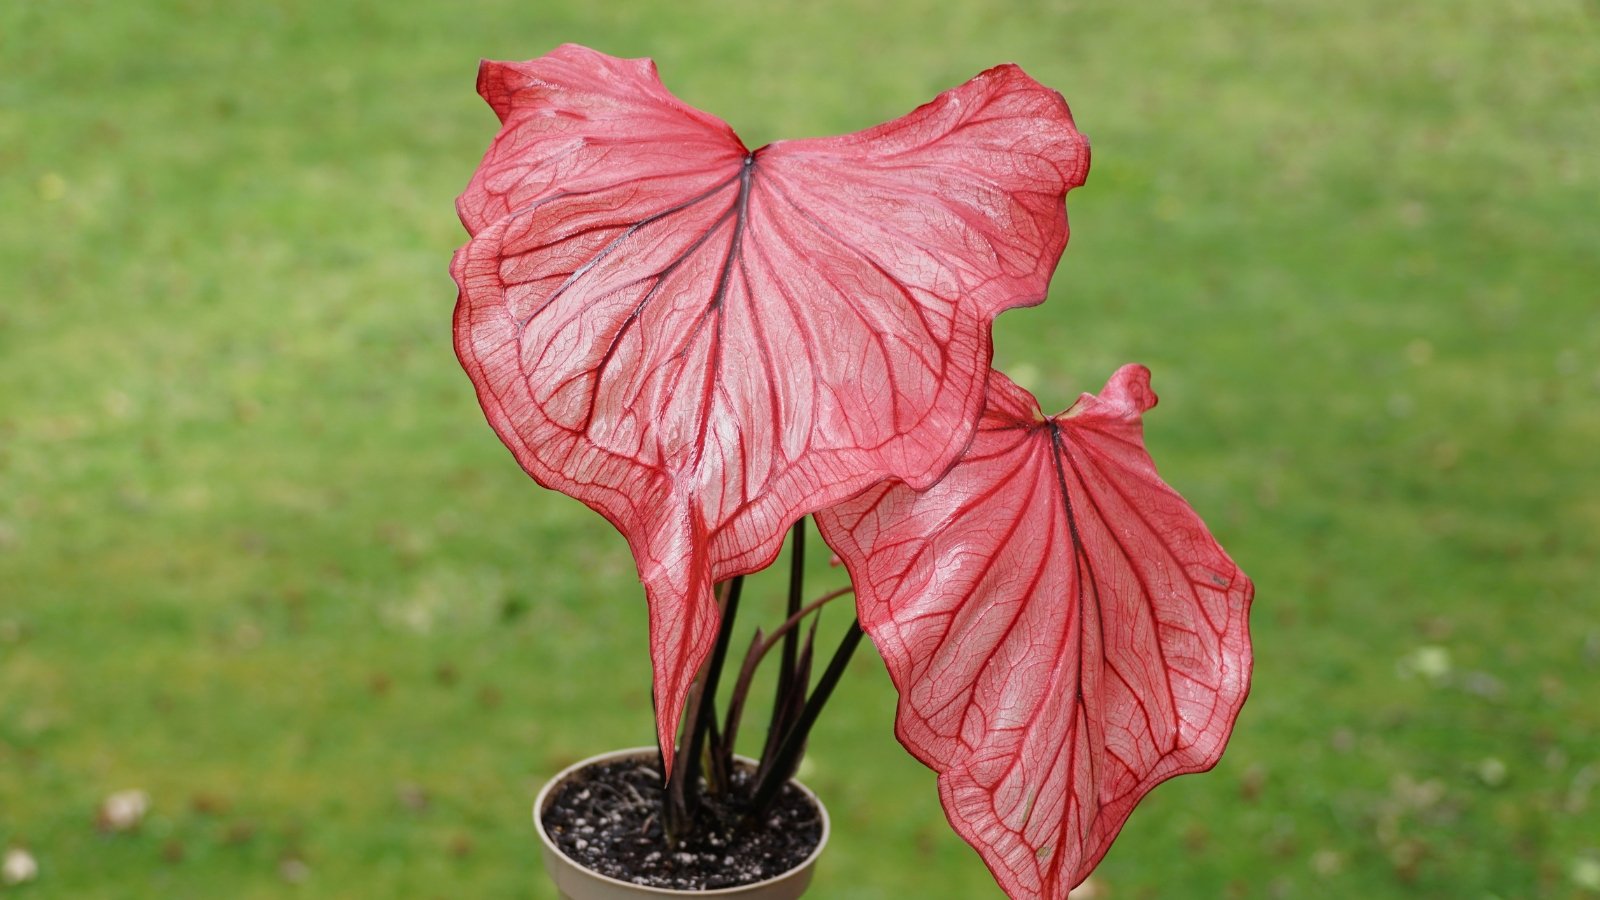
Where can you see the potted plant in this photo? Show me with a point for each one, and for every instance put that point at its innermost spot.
(706, 344)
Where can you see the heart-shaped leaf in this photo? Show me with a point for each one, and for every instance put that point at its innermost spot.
(705, 343)
(1063, 630)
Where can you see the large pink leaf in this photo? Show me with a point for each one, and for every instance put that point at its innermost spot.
(1064, 631)
(704, 343)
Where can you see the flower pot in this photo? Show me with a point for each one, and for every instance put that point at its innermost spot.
(575, 882)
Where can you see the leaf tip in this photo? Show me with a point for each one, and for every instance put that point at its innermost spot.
(492, 86)
(1130, 386)
(1127, 395)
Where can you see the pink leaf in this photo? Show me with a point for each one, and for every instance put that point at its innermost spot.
(705, 343)
(1063, 630)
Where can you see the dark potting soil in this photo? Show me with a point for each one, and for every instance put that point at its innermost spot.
(608, 818)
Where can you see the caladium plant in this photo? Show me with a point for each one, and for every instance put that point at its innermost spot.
(707, 343)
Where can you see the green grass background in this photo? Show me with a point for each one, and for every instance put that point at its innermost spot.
(261, 558)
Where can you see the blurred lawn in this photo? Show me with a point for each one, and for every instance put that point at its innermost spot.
(261, 557)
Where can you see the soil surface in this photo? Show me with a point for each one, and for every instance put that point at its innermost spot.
(608, 818)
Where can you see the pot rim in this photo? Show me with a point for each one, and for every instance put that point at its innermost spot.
(546, 792)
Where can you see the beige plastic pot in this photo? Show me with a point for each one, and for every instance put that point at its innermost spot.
(574, 882)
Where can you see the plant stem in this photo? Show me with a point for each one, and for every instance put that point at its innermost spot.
(706, 714)
(760, 646)
(798, 617)
(682, 796)
(797, 577)
(704, 747)
(787, 759)
(785, 691)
